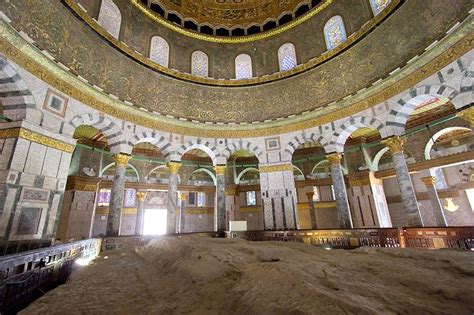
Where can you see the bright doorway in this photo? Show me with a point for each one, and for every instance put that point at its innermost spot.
(154, 222)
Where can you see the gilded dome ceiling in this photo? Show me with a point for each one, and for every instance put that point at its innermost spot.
(233, 13)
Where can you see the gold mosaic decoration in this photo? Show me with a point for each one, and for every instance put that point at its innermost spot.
(235, 40)
(276, 168)
(28, 57)
(36, 137)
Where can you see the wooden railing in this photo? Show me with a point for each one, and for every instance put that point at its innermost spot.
(26, 276)
(459, 238)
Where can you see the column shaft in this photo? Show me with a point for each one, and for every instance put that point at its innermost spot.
(342, 203)
(182, 213)
(116, 195)
(220, 218)
(172, 197)
(312, 212)
(141, 196)
(407, 192)
(435, 202)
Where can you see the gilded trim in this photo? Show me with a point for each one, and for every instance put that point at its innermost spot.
(276, 168)
(14, 47)
(251, 209)
(37, 138)
(230, 40)
(325, 204)
(218, 82)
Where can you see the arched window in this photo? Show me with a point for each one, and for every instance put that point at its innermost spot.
(243, 67)
(159, 51)
(110, 17)
(287, 57)
(334, 32)
(379, 5)
(199, 64)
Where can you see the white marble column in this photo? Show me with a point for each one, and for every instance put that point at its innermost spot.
(230, 204)
(173, 168)
(435, 202)
(407, 192)
(279, 198)
(220, 217)
(141, 196)
(116, 195)
(342, 203)
(312, 212)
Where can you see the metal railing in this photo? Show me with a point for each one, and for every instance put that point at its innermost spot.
(459, 238)
(26, 276)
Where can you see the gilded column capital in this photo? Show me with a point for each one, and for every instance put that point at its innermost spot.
(467, 115)
(394, 144)
(220, 170)
(141, 195)
(121, 159)
(173, 167)
(310, 194)
(334, 158)
(183, 195)
(429, 181)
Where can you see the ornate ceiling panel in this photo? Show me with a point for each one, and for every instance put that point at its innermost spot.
(231, 13)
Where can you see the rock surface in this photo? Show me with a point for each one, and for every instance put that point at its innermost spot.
(216, 276)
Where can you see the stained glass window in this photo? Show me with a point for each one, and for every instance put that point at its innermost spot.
(334, 32)
(287, 57)
(243, 67)
(104, 198)
(251, 198)
(130, 198)
(159, 51)
(379, 5)
(110, 17)
(200, 64)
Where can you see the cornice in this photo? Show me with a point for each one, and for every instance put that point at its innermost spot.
(30, 58)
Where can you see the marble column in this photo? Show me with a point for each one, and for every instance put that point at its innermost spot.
(407, 192)
(141, 196)
(312, 211)
(116, 195)
(173, 168)
(435, 202)
(183, 196)
(342, 203)
(220, 217)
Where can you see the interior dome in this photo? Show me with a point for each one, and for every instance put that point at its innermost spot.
(230, 17)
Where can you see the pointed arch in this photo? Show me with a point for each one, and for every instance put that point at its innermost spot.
(109, 129)
(155, 139)
(205, 170)
(431, 142)
(302, 139)
(378, 156)
(110, 17)
(237, 180)
(200, 144)
(343, 132)
(243, 67)
(244, 145)
(334, 32)
(406, 105)
(129, 165)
